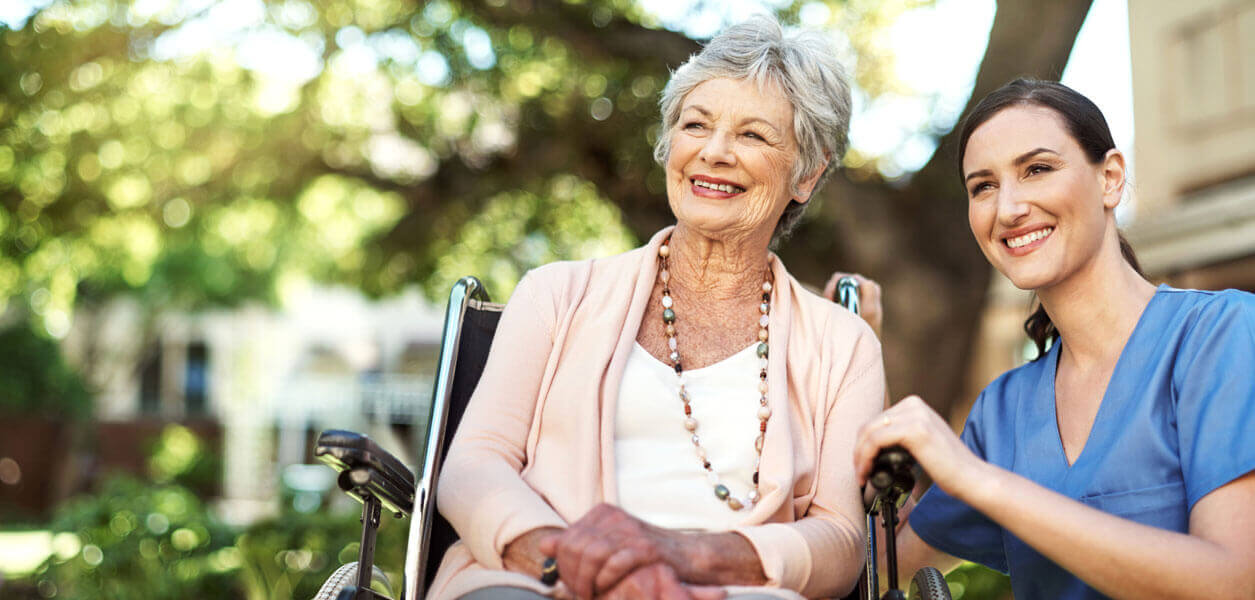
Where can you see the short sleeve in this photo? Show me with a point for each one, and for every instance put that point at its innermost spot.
(953, 527)
(1214, 380)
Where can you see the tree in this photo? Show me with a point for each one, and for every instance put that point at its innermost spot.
(199, 154)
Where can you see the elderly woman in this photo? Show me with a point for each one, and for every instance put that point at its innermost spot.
(677, 421)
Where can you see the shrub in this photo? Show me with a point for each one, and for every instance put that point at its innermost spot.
(35, 379)
(138, 541)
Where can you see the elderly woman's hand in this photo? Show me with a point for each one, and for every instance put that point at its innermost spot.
(597, 552)
(659, 581)
(869, 300)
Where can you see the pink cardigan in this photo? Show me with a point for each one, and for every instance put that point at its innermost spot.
(536, 447)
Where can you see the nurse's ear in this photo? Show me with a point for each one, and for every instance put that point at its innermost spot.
(1112, 175)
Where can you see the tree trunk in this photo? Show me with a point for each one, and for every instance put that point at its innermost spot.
(914, 239)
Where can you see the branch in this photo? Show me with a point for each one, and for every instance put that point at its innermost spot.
(620, 39)
(1029, 38)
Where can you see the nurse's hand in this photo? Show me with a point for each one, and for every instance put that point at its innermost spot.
(915, 426)
(869, 298)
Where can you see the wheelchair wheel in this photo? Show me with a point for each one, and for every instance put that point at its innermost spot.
(929, 584)
(346, 575)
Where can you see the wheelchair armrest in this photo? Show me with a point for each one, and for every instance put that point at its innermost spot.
(366, 468)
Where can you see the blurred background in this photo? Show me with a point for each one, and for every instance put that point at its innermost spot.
(228, 225)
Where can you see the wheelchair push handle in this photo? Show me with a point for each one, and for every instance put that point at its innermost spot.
(892, 478)
(848, 293)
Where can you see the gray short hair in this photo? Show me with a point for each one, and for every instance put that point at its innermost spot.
(803, 63)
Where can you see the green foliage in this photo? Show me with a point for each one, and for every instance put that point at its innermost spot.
(520, 230)
(136, 540)
(35, 379)
(179, 457)
(154, 540)
(291, 556)
(975, 582)
(161, 150)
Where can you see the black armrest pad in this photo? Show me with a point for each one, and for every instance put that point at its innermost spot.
(347, 450)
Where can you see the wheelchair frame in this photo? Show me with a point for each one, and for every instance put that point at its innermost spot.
(468, 292)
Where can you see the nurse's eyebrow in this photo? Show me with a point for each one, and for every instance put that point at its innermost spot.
(1019, 160)
(1027, 156)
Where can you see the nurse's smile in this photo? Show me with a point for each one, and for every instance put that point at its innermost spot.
(1024, 240)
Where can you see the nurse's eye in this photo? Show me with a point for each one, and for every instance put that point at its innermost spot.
(980, 188)
(1034, 169)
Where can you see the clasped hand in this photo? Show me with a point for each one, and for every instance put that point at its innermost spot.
(611, 554)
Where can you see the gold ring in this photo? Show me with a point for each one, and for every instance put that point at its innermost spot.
(549, 571)
(884, 420)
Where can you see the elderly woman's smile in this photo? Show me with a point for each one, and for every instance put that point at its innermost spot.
(732, 157)
(712, 187)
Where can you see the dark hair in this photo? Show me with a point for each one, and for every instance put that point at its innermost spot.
(1086, 125)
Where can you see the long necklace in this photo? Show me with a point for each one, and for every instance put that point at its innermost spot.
(764, 412)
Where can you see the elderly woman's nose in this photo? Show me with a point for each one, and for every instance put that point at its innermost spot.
(718, 149)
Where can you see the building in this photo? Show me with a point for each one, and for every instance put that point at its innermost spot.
(261, 382)
(1194, 105)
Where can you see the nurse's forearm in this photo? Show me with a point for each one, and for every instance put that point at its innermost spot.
(1118, 557)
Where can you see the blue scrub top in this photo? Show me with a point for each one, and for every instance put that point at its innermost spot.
(1176, 422)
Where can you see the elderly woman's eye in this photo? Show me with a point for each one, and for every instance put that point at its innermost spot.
(693, 125)
(753, 135)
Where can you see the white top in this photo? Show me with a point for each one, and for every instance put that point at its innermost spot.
(660, 478)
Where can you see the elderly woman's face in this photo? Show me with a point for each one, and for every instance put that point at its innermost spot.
(731, 161)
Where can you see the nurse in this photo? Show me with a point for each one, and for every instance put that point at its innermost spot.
(1120, 462)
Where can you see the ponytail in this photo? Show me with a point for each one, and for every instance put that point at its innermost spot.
(1042, 330)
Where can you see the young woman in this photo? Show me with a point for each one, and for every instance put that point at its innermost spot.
(1120, 462)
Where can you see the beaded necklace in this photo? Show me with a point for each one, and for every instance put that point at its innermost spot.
(764, 412)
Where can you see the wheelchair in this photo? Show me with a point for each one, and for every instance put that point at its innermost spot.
(382, 482)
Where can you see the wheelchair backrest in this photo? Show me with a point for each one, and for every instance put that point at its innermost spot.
(470, 323)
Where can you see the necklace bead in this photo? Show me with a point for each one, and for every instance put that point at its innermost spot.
(722, 492)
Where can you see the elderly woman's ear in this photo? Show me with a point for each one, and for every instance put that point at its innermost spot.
(804, 188)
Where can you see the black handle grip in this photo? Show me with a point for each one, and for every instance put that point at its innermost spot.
(892, 476)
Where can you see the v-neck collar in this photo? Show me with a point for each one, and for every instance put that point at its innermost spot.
(1098, 431)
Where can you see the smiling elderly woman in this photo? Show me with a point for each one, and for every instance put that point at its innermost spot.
(677, 421)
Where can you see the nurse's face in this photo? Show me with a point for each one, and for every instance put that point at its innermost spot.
(1039, 209)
